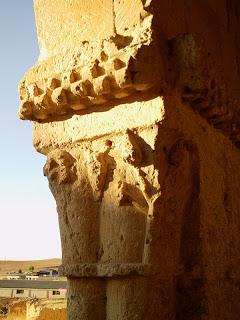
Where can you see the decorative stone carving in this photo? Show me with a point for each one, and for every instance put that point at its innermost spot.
(200, 88)
(60, 167)
(147, 190)
(97, 73)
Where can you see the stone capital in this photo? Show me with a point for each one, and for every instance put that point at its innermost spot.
(135, 105)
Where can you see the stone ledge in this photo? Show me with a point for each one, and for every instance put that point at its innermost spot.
(106, 270)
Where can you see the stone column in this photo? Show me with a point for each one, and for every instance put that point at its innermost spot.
(138, 119)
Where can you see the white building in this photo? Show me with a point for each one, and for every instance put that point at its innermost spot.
(33, 289)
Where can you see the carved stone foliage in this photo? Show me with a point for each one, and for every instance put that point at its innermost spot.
(119, 174)
(123, 208)
(113, 174)
(60, 168)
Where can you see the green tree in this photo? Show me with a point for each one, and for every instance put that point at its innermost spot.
(20, 271)
(31, 268)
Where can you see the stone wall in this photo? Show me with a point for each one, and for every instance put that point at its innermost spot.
(136, 106)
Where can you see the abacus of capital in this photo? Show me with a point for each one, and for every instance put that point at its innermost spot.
(138, 117)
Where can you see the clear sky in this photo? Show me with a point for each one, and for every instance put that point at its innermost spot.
(28, 218)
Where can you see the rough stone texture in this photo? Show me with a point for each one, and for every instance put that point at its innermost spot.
(136, 107)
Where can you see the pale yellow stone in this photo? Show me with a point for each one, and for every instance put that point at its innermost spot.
(136, 108)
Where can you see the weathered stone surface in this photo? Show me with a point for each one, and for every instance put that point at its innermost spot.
(138, 117)
(83, 66)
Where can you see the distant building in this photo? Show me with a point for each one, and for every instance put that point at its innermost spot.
(33, 289)
(48, 272)
(32, 276)
(15, 276)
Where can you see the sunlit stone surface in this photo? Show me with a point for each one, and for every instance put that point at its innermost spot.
(136, 106)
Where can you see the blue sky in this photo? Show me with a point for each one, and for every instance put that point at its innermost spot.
(28, 218)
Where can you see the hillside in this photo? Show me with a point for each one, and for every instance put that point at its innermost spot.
(14, 266)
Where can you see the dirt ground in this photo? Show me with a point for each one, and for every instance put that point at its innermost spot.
(27, 309)
(13, 309)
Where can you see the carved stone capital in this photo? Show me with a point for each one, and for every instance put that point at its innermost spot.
(126, 98)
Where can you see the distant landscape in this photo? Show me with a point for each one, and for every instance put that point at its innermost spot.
(14, 266)
(22, 298)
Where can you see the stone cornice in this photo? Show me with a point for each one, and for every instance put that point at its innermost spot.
(95, 73)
